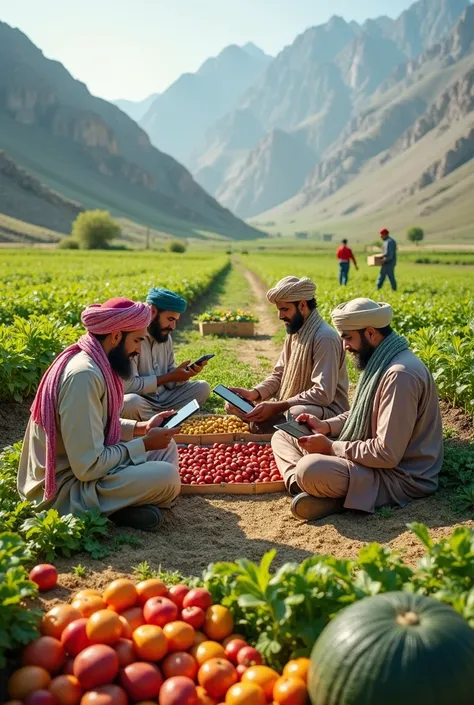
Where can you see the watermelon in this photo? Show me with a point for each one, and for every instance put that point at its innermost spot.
(394, 649)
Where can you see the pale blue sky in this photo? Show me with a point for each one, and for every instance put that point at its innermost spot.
(131, 48)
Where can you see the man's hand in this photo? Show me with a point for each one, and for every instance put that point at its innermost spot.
(159, 438)
(158, 420)
(314, 423)
(316, 444)
(182, 373)
(197, 369)
(249, 394)
(262, 412)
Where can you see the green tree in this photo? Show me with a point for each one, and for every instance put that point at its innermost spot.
(94, 230)
(415, 234)
(177, 246)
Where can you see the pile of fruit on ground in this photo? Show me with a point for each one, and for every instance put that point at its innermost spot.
(201, 425)
(238, 463)
(144, 643)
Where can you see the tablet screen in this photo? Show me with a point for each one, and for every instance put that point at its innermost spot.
(295, 429)
(182, 415)
(245, 406)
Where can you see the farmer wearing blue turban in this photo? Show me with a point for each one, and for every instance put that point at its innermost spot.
(157, 382)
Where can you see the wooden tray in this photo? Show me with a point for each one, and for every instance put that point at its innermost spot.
(210, 438)
(236, 488)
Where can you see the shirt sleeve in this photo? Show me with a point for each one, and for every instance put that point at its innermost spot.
(353, 258)
(170, 366)
(336, 424)
(80, 418)
(396, 419)
(390, 250)
(269, 387)
(325, 374)
(137, 384)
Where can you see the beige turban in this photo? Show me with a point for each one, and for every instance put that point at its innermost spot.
(361, 313)
(292, 289)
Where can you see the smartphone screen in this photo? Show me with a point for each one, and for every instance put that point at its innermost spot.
(182, 415)
(295, 429)
(245, 406)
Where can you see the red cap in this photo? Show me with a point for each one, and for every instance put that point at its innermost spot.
(118, 302)
(384, 232)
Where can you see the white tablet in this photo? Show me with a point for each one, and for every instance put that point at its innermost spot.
(182, 415)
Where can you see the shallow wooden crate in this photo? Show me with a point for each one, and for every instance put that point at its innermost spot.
(210, 438)
(375, 260)
(244, 329)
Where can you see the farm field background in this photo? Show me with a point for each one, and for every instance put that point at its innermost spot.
(42, 294)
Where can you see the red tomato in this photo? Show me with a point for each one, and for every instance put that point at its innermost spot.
(46, 652)
(195, 616)
(232, 649)
(141, 681)
(125, 652)
(44, 575)
(96, 665)
(248, 656)
(74, 637)
(105, 695)
(198, 597)
(41, 697)
(160, 611)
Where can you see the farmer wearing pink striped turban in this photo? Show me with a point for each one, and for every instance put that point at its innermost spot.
(78, 454)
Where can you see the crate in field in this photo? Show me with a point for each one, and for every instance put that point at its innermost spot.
(375, 260)
(238, 431)
(237, 329)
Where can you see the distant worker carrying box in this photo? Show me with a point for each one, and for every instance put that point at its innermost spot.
(344, 254)
(389, 261)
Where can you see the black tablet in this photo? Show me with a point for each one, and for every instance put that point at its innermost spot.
(235, 399)
(295, 429)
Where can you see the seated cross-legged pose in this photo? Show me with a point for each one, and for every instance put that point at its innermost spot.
(156, 383)
(310, 375)
(78, 454)
(389, 447)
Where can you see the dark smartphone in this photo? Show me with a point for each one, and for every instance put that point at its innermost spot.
(235, 399)
(295, 429)
(202, 359)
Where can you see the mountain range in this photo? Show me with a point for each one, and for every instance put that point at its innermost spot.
(59, 140)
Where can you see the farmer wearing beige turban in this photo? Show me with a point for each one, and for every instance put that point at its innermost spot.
(310, 376)
(389, 446)
(78, 454)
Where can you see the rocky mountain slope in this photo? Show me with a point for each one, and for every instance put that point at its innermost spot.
(90, 151)
(178, 119)
(135, 109)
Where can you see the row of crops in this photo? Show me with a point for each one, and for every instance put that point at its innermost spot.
(434, 308)
(43, 294)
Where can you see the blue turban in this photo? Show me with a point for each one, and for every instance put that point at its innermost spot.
(166, 300)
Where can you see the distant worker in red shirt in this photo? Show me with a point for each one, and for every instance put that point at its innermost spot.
(345, 255)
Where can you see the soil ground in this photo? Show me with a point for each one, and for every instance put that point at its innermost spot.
(200, 530)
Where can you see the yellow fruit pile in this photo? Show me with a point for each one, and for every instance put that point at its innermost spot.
(201, 425)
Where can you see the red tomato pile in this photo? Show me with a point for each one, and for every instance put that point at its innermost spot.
(141, 644)
(247, 463)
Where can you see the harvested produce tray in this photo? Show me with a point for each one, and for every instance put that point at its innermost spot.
(235, 488)
(210, 438)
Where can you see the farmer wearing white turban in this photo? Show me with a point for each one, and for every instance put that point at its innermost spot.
(310, 375)
(78, 454)
(389, 446)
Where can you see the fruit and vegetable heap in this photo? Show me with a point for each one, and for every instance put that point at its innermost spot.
(238, 463)
(213, 423)
(144, 643)
(234, 316)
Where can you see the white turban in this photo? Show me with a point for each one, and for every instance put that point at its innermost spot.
(361, 313)
(292, 289)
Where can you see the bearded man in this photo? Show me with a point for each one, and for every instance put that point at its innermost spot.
(310, 375)
(78, 454)
(157, 383)
(389, 447)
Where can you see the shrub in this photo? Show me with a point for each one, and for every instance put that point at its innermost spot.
(68, 243)
(95, 229)
(415, 234)
(177, 246)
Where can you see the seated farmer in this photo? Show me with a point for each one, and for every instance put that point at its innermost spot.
(157, 383)
(390, 445)
(311, 375)
(78, 454)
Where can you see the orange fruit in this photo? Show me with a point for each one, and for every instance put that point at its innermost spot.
(216, 676)
(206, 650)
(27, 679)
(56, 620)
(154, 587)
(219, 622)
(86, 593)
(204, 698)
(149, 642)
(134, 617)
(290, 691)
(127, 630)
(179, 663)
(66, 689)
(121, 594)
(297, 668)
(180, 636)
(88, 604)
(264, 676)
(104, 627)
(245, 694)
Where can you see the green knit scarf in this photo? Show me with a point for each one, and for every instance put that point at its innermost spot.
(357, 424)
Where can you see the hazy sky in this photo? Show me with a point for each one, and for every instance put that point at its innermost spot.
(131, 48)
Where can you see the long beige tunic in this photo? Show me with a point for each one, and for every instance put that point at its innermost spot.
(400, 461)
(89, 474)
(143, 397)
(329, 375)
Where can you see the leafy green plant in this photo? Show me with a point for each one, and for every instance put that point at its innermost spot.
(143, 571)
(79, 571)
(18, 624)
(234, 316)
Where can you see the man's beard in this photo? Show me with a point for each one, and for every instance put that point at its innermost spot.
(295, 323)
(161, 335)
(363, 355)
(120, 362)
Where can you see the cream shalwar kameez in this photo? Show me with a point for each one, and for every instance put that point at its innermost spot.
(143, 397)
(400, 461)
(90, 475)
